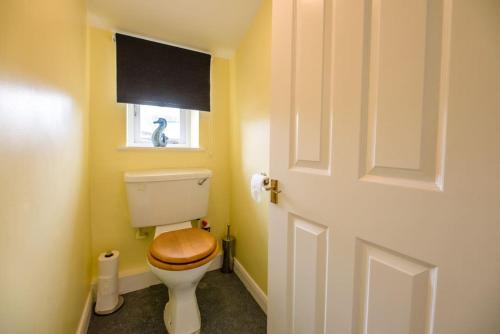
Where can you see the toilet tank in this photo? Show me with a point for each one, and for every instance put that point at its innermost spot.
(167, 196)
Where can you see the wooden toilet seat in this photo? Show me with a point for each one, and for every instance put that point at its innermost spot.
(182, 249)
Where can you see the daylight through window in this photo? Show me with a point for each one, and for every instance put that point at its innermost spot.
(182, 126)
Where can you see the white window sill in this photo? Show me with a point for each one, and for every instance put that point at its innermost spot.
(167, 148)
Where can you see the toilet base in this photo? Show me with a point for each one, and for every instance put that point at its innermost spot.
(181, 314)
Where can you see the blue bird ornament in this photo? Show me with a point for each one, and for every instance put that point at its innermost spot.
(159, 139)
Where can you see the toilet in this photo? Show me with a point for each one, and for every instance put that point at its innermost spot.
(179, 255)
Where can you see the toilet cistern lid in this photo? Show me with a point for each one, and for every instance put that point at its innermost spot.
(183, 246)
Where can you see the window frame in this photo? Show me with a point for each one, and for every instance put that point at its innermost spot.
(189, 129)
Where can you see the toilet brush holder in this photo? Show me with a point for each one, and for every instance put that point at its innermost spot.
(228, 251)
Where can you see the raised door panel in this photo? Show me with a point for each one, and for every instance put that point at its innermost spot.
(308, 254)
(405, 94)
(395, 293)
(310, 93)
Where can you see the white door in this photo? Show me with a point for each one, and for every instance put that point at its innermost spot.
(385, 138)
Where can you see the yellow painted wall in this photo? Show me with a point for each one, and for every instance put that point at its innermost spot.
(250, 101)
(44, 197)
(111, 227)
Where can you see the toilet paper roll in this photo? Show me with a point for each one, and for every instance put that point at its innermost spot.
(108, 263)
(257, 186)
(107, 285)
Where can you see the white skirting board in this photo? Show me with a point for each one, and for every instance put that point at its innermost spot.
(85, 318)
(252, 287)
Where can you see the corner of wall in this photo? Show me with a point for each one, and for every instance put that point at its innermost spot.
(249, 148)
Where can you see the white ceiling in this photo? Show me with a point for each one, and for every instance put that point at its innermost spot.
(215, 26)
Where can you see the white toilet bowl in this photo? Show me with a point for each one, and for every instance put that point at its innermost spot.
(181, 314)
(181, 275)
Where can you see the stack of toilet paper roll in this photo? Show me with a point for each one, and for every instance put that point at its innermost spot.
(108, 300)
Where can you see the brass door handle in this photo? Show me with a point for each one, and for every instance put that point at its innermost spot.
(272, 187)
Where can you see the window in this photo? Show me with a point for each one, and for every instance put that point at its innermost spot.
(182, 126)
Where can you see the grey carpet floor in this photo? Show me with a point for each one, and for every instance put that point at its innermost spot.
(225, 307)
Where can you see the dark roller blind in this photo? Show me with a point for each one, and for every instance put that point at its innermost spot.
(161, 75)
